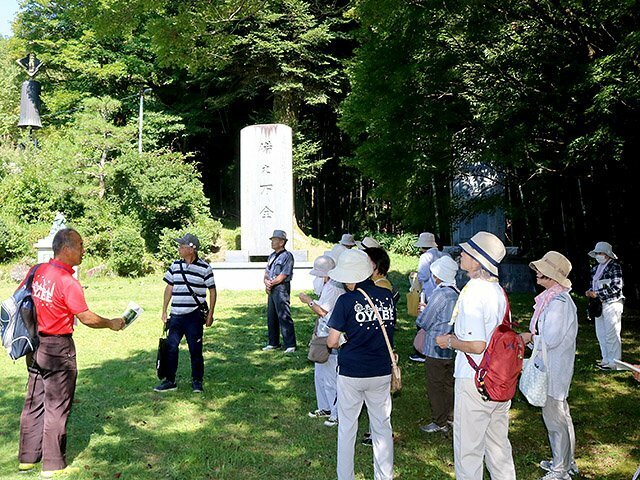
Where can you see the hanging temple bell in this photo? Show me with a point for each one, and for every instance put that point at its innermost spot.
(30, 94)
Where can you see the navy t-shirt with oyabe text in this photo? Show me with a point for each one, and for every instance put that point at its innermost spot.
(365, 354)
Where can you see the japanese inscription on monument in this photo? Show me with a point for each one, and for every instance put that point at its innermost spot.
(266, 182)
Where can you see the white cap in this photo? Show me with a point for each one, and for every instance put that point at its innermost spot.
(445, 268)
(368, 242)
(426, 240)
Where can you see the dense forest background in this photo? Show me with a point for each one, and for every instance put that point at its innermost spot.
(390, 102)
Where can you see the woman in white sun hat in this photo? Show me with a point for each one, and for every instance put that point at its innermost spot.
(555, 321)
(434, 319)
(364, 365)
(481, 427)
(325, 374)
(606, 288)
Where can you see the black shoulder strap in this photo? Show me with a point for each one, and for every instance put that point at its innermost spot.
(193, 294)
(276, 257)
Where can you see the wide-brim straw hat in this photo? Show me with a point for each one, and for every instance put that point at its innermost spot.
(445, 268)
(426, 240)
(486, 249)
(555, 266)
(348, 240)
(603, 247)
(353, 266)
(322, 265)
(368, 242)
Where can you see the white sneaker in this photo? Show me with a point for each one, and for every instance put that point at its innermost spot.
(269, 347)
(555, 476)
(290, 350)
(548, 466)
(433, 427)
(319, 413)
(331, 422)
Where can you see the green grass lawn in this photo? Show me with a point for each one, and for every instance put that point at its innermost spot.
(251, 422)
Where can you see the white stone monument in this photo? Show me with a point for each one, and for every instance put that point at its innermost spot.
(44, 245)
(266, 183)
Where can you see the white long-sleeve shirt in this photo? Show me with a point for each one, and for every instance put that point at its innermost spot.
(558, 325)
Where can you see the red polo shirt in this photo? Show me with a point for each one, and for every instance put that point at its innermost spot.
(57, 297)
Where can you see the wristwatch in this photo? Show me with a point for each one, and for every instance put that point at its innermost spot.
(312, 303)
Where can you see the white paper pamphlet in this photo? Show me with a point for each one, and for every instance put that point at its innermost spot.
(132, 312)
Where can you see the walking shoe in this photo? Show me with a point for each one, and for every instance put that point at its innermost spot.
(165, 386)
(433, 427)
(196, 386)
(319, 413)
(48, 474)
(605, 367)
(417, 358)
(555, 476)
(366, 440)
(26, 467)
(548, 466)
(331, 422)
(269, 347)
(290, 350)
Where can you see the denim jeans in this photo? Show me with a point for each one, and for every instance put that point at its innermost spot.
(189, 325)
(279, 316)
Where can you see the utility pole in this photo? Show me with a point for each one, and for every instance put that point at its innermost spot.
(140, 116)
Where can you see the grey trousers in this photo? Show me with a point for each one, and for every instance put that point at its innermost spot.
(374, 392)
(480, 432)
(562, 437)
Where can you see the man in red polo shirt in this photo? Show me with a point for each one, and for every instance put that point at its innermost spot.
(58, 297)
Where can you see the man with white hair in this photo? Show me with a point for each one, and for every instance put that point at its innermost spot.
(606, 292)
(481, 427)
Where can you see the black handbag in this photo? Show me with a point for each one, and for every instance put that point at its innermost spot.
(594, 308)
(161, 359)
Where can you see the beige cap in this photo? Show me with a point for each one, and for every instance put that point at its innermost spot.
(555, 266)
(486, 249)
(426, 240)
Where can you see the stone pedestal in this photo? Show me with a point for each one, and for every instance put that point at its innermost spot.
(44, 248)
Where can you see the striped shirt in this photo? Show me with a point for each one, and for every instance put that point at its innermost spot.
(434, 319)
(200, 277)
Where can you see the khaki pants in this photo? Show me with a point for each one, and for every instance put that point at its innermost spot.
(439, 373)
(480, 432)
(374, 392)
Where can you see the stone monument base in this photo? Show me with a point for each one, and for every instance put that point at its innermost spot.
(249, 275)
(239, 256)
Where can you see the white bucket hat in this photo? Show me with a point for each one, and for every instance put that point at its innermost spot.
(322, 265)
(603, 247)
(336, 251)
(348, 240)
(368, 242)
(555, 266)
(445, 268)
(486, 249)
(426, 240)
(353, 266)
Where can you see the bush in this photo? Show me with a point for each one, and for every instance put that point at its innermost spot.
(127, 257)
(12, 240)
(400, 244)
(206, 229)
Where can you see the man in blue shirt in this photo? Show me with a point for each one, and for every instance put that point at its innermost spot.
(364, 364)
(277, 284)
